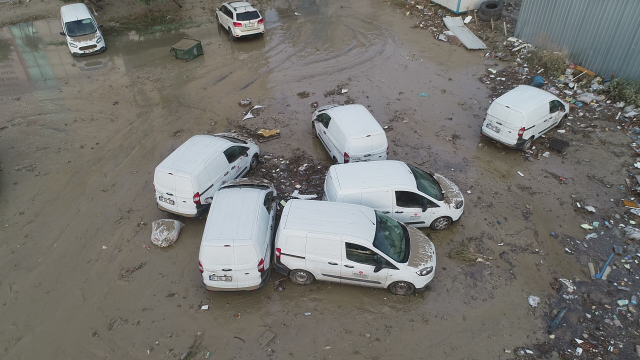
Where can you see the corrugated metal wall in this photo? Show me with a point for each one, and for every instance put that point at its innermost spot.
(600, 35)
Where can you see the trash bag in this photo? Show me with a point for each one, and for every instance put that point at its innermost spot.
(631, 233)
(165, 232)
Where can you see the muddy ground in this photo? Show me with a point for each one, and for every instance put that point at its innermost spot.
(80, 138)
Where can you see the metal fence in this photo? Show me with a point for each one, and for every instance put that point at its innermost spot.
(600, 35)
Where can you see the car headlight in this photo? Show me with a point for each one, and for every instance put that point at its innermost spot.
(459, 204)
(426, 271)
(72, 45)
(99, 40)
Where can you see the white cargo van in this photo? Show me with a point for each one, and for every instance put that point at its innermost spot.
(523, 114)
(186, 180)
(349, 133)
(81, 30)
(235, 253)
(402, 191)
(351, 244)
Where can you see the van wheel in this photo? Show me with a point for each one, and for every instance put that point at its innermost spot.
(231, 37)
(562, 121)
(527, 144)
(254, 162)
(402, 288)
(314, 131)
(441, 223)
(335, 161)
(301, 277)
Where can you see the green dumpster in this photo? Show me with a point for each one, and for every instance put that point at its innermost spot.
(187, 49)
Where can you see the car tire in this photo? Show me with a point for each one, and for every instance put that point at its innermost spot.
(254, 162)
(335, 161)
(314, 131)
(441, 223)
(490, 10)
(301, 277)
(527, 144)
(562, 121)
(231, 36)
(402, 288)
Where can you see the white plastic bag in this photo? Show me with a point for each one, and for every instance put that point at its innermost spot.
(165, 232)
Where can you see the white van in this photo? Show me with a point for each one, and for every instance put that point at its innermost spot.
(235, 253)
(186, 180)
(351, 244)
(523, 114)
(349, 133)
(81, 30)
(402, 191)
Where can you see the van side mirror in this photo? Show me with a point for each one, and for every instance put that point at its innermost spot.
(378, 267)
(100, 26)
(62, 33)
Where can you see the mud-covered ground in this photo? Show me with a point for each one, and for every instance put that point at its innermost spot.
(80, 138)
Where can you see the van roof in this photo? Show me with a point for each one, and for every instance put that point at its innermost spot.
(373, 174)
(232, 217)
(74, 12)
(330, 218)
(356, 120)
(524, 98)
(192, 154)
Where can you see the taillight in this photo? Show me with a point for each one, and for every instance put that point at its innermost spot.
(485, 116)
(278, 253)
(260, 21)
(521, 132)
(200, 267)
(237, 24)
(261, 265)
(196, 198)
(346, 158)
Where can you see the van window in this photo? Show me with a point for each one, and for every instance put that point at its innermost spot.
(80, 27)
(555, 106)
(247, 15)
(407, 199)
(234, 152)
(324, 119)
(391, 238)
(426, 183)
(361, 254)
(268, 200)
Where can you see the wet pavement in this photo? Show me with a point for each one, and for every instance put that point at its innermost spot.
(80, 138)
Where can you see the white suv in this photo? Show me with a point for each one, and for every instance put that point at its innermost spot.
(240, 19)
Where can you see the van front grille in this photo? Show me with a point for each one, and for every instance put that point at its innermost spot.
(89, 47)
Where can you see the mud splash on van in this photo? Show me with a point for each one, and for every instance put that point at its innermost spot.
(422, 249)
(450, 191)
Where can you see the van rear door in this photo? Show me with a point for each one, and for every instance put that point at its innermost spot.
(246, 266)
(324, 256)
(503, 123)
(170, 192)
(218, 266)
(368, 148)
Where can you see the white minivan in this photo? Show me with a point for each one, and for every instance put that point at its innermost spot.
(523, 114)
(186, 180)
(81, 30)
(235, 252)
(403, 192)
(351, 244)
(349, 133)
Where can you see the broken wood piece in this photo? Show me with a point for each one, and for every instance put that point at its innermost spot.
(266, 338)
(268, 133)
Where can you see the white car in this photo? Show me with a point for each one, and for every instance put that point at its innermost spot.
(240, 18)
(235, 253)
(351, 244)
(349, 133)
(186, 180)
(403, 192)
(81, 30)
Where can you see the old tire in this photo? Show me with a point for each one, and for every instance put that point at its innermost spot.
(527, 144)
(402, 288)
(254, 162)
(490, 10)
(441, 223)
(301, 277)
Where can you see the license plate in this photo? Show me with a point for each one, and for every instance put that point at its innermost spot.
(494, 128)
(249, 25)
(220, 278)
(164, 199)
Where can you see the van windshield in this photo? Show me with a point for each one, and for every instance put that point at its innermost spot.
(391, 238)
(232, 139)
(426, 183)
(80, 27)
(248, 15)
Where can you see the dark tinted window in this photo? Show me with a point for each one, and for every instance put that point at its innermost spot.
(325, 119)
(426, 183)
(555, 105)
(268, 200)
(391, 238)
(232, 139)
(247, 15)
(80, 27)
(233, 153)
(407, 199)
(361, 254)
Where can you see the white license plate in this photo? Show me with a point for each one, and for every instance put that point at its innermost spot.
(494, 128)
(164, 199)
(220, 278)
(249, 25)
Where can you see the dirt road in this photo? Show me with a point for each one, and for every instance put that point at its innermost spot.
(80, 138)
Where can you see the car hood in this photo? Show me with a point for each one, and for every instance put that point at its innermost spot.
(450, 191)
(88, 39)
(423, 253)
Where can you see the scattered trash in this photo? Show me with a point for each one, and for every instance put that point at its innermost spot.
(533, 300)
(570, 286)
(268, 133)
(165, 232)
(558, 144)
(423, 95)
(249, 114)
(466, 37)
(538, 81)
(556, 321)
(296, 194)
(306, 314)
(629, 204)
(204, 307)
(244, 102)
(586, 227)
(631, 233)
(521, 174)
(344, 91)
(104, 247)
(591, 236)
(266, 338)
(590, 209)
(468, 19)
(297, 14)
